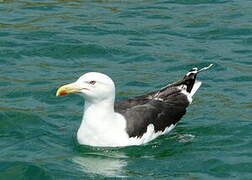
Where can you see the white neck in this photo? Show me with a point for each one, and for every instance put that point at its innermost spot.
(97, 111)
(100, 124)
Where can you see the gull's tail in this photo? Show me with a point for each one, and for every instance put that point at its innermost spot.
(189, 84)
(190, 80)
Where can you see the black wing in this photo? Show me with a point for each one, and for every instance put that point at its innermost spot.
(160, 113)
(161, 108)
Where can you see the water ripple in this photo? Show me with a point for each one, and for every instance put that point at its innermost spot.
(143, 45)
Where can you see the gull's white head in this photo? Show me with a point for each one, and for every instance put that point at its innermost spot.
(94, 86)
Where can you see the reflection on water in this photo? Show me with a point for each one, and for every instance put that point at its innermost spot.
(108, 167)
(184, 138)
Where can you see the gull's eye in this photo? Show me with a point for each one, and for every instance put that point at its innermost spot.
(92, 82)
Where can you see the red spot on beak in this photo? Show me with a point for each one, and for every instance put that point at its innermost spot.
(63, 93)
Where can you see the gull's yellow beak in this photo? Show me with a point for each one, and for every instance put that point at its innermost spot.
(67, 89)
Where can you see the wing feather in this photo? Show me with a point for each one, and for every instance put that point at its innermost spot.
(161, 114)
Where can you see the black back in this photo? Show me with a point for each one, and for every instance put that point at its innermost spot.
(161, 108)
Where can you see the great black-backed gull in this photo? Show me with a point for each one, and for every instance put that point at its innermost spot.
(132, 121)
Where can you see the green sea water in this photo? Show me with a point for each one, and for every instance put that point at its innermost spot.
(143, 45)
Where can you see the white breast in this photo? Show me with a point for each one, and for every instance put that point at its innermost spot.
(112, 132)
(103, 131)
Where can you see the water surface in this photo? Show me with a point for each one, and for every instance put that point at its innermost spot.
(142, 45)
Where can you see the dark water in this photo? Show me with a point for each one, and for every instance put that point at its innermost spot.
(142, 44)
